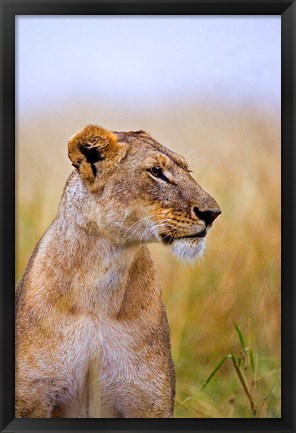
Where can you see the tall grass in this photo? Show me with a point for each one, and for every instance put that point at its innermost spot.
(235, 156)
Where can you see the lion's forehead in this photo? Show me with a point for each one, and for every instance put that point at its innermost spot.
(138, 137)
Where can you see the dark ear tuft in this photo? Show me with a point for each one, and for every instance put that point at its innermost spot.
(92, 154)
(94, 169)
(89, 146)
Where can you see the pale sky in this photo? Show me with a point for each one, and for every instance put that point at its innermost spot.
(148, 58)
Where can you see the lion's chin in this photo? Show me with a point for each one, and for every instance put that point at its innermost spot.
(188, 250)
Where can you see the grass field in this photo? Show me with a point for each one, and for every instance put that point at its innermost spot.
(229, 302)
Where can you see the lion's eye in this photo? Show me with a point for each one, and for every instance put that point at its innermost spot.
(157, 172)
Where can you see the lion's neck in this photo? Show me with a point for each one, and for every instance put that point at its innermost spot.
(101, 270)
(89, 271)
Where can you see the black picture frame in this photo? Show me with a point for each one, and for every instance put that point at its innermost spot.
(11, 8)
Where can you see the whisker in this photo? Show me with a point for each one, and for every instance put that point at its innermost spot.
(136, 226)
(149, 226)
(192, 151)
(121, 224)
(152, 227)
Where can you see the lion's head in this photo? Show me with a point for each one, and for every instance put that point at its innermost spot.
(140, 191)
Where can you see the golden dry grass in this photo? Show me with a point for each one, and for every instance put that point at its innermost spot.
(235, 155)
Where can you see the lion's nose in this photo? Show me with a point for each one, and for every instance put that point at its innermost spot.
(208, 216)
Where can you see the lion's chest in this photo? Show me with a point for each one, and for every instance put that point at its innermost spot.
(121, 362)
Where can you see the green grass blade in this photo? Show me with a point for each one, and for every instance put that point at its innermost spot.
(214, 372)
(240, 336)
(244, 384)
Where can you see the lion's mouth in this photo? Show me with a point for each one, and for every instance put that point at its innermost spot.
(169, 239)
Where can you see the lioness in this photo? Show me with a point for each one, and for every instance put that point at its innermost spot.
(92, 336)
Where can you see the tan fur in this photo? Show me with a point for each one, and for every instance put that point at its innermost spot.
(92, 337)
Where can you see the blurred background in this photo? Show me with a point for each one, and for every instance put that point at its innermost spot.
(209, 89)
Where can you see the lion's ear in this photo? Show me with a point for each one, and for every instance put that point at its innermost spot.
(88, 147)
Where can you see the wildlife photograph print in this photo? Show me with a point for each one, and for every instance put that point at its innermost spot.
(148, 216)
